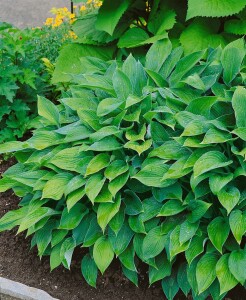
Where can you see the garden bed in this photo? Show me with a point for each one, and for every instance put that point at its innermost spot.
(19, 263)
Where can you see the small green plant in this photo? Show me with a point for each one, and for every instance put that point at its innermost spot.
(23, 75)
(142, 162)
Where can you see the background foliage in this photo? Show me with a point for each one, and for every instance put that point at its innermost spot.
(143, 161)
(23, 74)
(131, 26)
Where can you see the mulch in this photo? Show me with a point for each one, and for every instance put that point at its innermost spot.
(19, 263)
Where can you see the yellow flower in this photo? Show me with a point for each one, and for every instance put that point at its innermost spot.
(72, 16)
(89, 2)
(83, 8)
(98, 4)
(49, 21)
(72, 35)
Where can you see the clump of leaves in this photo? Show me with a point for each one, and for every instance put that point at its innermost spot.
(23, 75)
(145, 162)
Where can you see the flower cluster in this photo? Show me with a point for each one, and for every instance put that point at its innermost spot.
(61, 15)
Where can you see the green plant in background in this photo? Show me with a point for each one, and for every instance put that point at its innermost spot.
(131, 26)
(23, 76)
(145, 162)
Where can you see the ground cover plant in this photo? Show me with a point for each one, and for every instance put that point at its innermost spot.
(143, 162)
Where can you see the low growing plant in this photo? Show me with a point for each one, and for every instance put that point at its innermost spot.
(145, 162)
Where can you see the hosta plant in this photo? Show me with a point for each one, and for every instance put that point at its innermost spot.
(143, 162)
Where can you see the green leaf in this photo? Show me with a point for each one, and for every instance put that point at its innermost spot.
(201, 34)
(157, 55)
(138, 147)
(187, 231)
(127, 258)
(218, 181)
(74, 184)
(198, 209)
(115, 169)
(237, 265)
(151, 174)
(103, 253)
(182, 279)
(122, 85)
(65, 68)
(98, 163)
(154, 243)
(55, 259)
(12, 147)
(239, 106)
(89, 270)
(231, 59)
(118, 183)
(132, 38)
(169, 150)
(163, 269)
(66, 252)
(131, 275)
(106, 211)
(108, 105)
(210, 161)
(117, 221)
(93, 186)
(106, 144)
(229, 197)
(48, 110)
(71, 219)
(12, 218)
(184, 65)
(161, 21)
(214, 8)
(202, 105)
(170, 287)
(110, 14)
(215, 136)
(216, 235)
(121, 241)
(104, 196)
(133, 203)
(170, 208)
(55, 187)
(241, 132)
(195, 248)
(104, 132)
(174, 246)
(226, 279)
(235, 26)
(205, 271)
(237, 221)
(33, 217)
(58, 236)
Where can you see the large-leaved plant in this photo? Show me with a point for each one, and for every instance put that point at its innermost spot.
(143, 162)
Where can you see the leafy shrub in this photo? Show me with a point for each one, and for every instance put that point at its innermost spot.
(143, 162)
(136, 23)
(23, 75)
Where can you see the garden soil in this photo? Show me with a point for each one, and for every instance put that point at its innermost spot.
(28, 13)
(19, 263)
